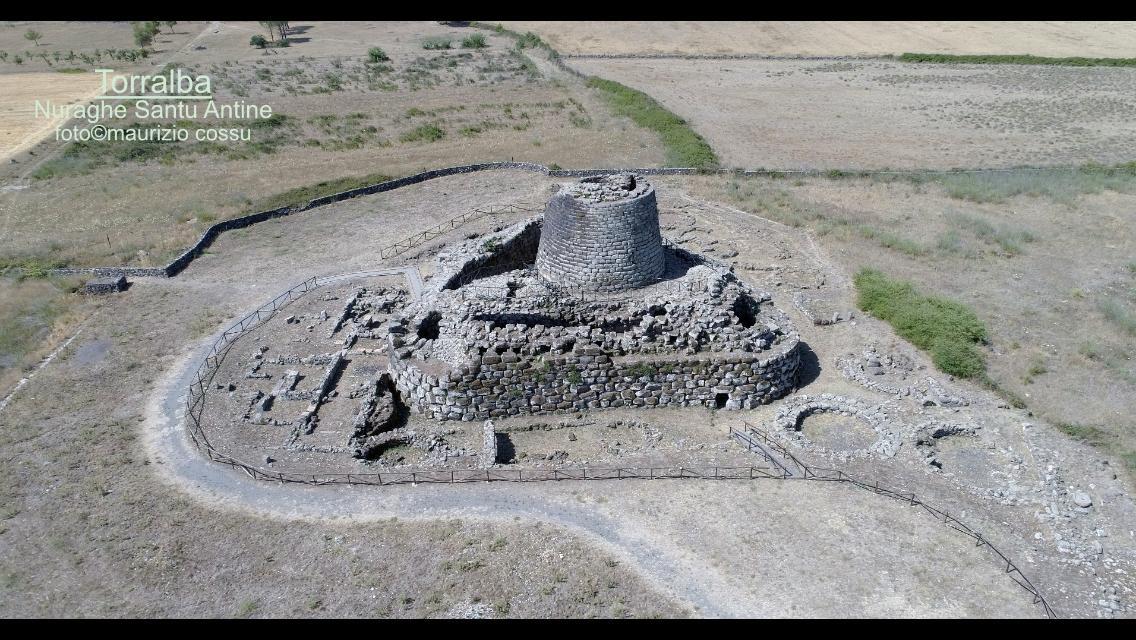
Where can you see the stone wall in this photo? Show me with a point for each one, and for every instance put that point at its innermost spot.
(507, 384)
(606, 246)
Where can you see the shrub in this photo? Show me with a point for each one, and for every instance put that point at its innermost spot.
(375, 54)
(574, 376)
(475, 41)
(426, 132)
(529, 40)
(946, 329)
(258, 41)
(436, 43)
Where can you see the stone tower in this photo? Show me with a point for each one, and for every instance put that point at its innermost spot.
(602, 234)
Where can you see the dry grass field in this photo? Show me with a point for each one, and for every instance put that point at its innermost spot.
(827, 114)
(48, 70)
(19, 128)
(422, 109)
(1059, 299)
(96, 519)
(827, 38)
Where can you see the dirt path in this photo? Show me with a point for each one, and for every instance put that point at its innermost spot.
(181, 464)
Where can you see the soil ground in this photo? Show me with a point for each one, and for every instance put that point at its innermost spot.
(107, 511)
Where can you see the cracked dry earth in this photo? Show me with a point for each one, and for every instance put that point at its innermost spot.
(109, 510)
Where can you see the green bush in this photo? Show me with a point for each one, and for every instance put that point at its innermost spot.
(475, 41)
(375, 54)
(574, 376)
(426, 132)
(684, 147)
(436, 43)
(948, 330)
(529, 40)
(258, 41)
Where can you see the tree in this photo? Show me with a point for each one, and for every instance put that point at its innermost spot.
(281, 26)
(33, 35)
(258, 41)
(144, 33)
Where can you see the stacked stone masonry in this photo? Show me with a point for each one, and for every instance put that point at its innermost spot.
(602, 234)
(492, 336)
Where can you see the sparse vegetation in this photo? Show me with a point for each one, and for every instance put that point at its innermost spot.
(302, 195)
(1059, 184)
(1008, 239)
(948, 330)
(946, 58)
(1120, 317)
(641, 369)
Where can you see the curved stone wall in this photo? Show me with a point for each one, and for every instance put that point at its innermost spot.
(601, 244)
(508, 384)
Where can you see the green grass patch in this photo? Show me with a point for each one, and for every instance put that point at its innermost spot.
(946, 58)
(1088, 434)
(1062, 185)
(948, 330)
(426, 133)
(684, 147)
(302, 195)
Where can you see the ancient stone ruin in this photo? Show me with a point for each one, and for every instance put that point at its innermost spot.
(587, 306)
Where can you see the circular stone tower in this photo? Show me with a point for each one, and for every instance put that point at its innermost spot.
(602, 234)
